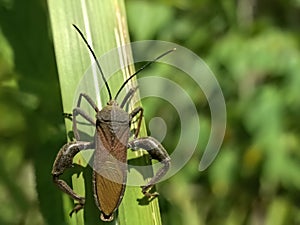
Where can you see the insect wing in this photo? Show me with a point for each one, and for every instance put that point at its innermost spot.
(110, 167)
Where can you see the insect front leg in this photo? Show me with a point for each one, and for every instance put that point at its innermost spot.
(128, 96)
(78, 111)
(64, 160)
(156, 151)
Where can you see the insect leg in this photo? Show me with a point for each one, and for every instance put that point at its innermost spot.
(64, 160)
(128, 96)
(156, 151)
(133, 114)
(88, 99)
(79, 111)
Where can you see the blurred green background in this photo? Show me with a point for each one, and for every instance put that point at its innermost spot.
(253, 49)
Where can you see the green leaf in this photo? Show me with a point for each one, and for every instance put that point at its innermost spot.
(104, 25)
(158, 14)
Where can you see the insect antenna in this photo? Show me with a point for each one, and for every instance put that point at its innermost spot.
(140, 69)
(97, 62)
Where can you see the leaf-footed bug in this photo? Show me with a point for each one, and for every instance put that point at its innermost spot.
(111, 141)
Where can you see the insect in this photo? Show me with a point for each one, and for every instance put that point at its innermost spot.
(111, 141)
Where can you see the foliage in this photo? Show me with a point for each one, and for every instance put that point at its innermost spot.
(252, 48)
(256, 60)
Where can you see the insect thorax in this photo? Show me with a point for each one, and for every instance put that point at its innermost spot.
(113, 114)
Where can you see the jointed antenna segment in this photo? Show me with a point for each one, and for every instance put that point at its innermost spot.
(143, 67)
(94, 56)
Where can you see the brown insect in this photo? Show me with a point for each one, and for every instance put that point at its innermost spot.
(111, 141)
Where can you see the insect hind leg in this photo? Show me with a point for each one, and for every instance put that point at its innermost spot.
(64, 160)
(156, 151)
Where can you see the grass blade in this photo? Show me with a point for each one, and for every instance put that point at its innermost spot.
(104, 25)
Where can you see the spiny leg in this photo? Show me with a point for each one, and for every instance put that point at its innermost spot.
(64, 160)
(156, 151)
